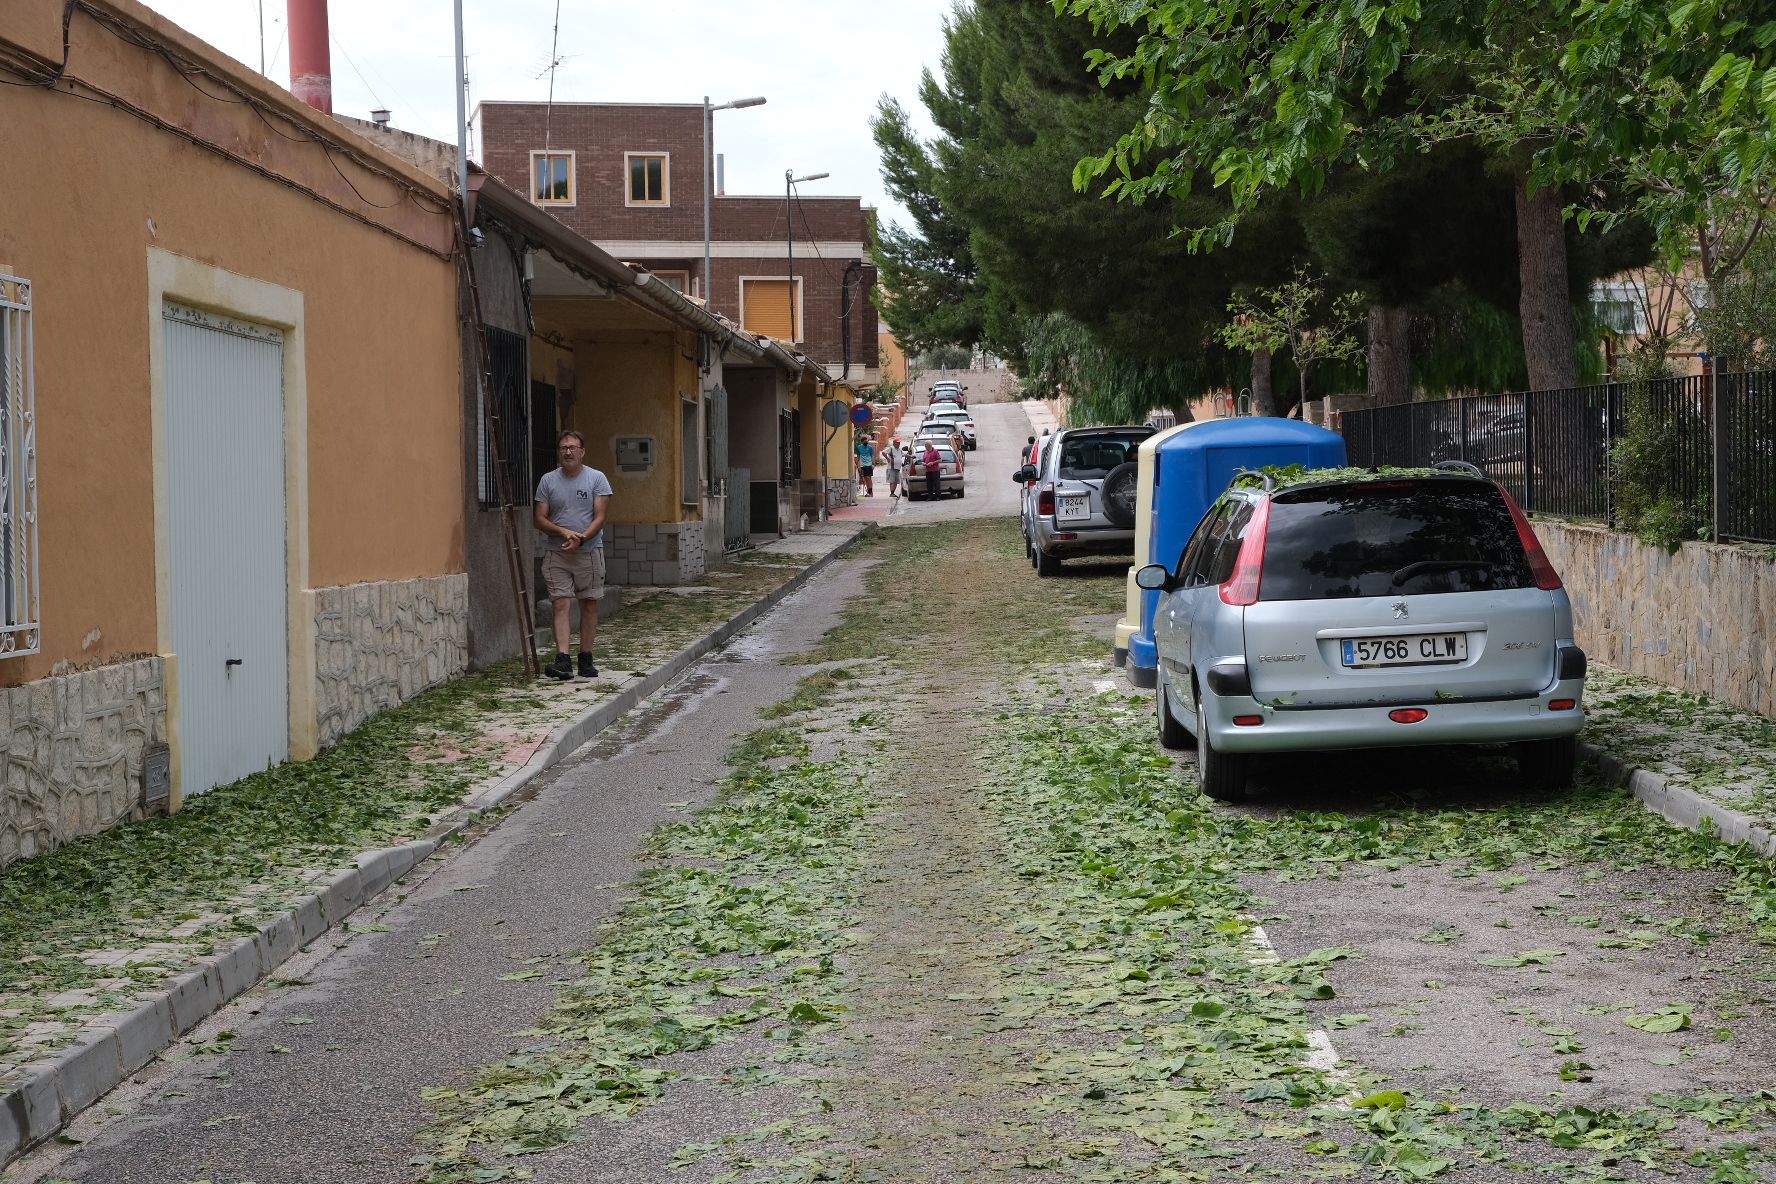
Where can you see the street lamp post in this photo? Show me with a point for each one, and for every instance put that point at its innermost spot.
(790, 181)
(709, 180)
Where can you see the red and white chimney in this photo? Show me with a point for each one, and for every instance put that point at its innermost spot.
(311, 59)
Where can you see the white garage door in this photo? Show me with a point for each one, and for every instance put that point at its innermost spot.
(226, 513)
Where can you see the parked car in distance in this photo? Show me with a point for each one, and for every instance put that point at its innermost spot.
(1345, 609)
(947, 391)
(956, 416)
(1079, 498)
(945, 432)
(949, 469)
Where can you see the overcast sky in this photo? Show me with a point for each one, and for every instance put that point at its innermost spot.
(822, 64)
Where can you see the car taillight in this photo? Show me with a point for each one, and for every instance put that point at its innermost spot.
(1408, 715)
(1045, 501)
(1242, 587)
(1546, 578)
(1562, 704)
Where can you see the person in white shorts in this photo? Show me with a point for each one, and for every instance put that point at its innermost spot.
(571, 504)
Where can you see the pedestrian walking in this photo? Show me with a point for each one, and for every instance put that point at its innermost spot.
(891, 458)
(932, 459)
(1029, 447)
(866, 466)
(571, 504)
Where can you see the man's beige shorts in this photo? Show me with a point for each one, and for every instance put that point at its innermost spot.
(576, 575)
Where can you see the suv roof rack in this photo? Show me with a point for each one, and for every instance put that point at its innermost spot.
(1460, 466)
(1269, 481)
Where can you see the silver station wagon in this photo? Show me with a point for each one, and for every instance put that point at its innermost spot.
(1347, 609)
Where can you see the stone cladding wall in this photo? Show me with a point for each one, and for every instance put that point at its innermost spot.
(378, 645)
(1702, 619)
(73, 746)
(661, 553)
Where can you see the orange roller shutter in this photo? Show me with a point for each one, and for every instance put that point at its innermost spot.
(767, 308)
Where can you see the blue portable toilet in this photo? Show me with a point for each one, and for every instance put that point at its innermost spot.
(1191, 468)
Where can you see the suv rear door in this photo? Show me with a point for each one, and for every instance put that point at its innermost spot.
(1081, 461)
(1389, 591)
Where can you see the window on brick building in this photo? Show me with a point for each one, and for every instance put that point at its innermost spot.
(678, 281)
(764, 307)
(650, 182)
(552, 178)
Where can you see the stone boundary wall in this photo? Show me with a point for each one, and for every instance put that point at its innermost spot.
(1702, 619)
(660, 553)
(73, 747)
(378, 645)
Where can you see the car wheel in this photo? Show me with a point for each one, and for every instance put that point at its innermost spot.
(1171, 732)
(1221, 774)
(1547, 764)
(1046, 564)
(961, 493)
(1117, 494)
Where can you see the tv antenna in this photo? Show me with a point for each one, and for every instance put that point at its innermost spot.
(556, 58)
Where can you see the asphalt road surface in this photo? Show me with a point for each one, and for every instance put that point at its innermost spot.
(1002, 429)
(899, 888)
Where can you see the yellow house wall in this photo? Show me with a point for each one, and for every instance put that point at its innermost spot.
(630, 385)
(840, 450)
(94, 193)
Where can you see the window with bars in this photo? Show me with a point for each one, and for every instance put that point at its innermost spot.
(650, 180)
(508, 386)
(552, 178)
(20, 622)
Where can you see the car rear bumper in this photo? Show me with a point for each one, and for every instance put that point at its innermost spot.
(1297, 729)
(1085, 541)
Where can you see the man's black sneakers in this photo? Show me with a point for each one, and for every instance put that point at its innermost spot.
(561, 667)
(587, 670)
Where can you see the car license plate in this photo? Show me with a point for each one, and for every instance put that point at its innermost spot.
(1412, 649)
(1075, 505)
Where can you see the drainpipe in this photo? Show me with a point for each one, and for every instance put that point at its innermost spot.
(311, 61)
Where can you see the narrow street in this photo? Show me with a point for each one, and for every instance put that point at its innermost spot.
(899, 887)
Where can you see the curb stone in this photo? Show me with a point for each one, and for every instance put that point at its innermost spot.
(1680, 806)
(113, 1047)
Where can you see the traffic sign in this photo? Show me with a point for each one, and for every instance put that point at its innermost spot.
(834, 414)
(861, 415)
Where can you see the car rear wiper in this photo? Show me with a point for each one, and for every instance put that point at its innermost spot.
(1425, 565)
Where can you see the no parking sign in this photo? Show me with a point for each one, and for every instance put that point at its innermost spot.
(861, 415)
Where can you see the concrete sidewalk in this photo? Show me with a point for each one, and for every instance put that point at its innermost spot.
(89, 1047)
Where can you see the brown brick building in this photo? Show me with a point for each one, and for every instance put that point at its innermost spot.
(631, 178)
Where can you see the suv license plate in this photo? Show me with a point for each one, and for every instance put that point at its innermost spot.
(1411, 649)
(1075, 505)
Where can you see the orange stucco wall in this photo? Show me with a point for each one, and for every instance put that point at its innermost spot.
(92, 190)
(630, 383)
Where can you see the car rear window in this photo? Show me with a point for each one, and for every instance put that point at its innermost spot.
(1090, 457)
(1391, 538)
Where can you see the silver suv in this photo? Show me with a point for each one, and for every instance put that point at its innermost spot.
(1079, 498)
(1343, 609)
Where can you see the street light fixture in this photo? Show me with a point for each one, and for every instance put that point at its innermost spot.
(709, 179)
(790, 180)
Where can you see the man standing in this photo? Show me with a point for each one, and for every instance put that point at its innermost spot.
(1029, 446)
(932, 459)
(866, 466)
(571, 503)
(892, 457)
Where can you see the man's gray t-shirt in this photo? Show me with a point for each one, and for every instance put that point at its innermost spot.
(572, 501)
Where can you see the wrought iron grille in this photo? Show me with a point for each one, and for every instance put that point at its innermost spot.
(508, 360)
(1553, 449)
(20, 622)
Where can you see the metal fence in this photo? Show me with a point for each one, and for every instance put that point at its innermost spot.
(1555, 451)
